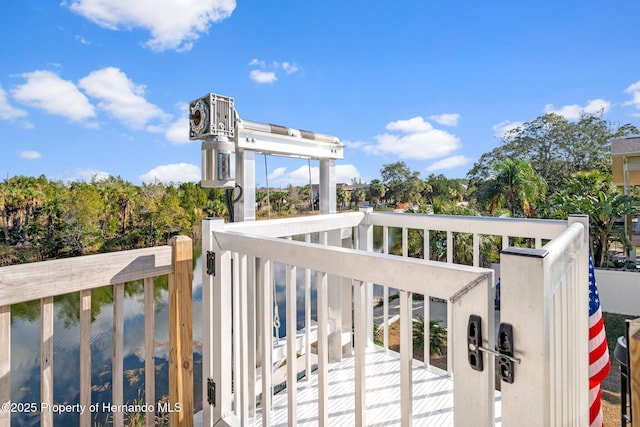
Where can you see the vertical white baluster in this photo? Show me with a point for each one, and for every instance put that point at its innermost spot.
(85, 356)
(235, 319)
(360, 347)
(323, 351)
(307, 317)
(292, 362)
(46, 359)
(450, 344)
(242, 391)
(149, 350)
(476, 250)
(426, 308)
(405, 242)
(117, 370)
(266, 302)
(5, 363)
(385, 294)
(406, 357)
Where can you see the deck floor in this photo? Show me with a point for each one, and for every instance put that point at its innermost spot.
(432, 395)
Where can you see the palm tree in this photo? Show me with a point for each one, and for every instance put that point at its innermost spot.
(592, 193)
(515, 187)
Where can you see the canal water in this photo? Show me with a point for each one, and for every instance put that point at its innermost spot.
(25, 346)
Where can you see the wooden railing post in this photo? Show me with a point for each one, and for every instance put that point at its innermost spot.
(181, 334)
(5, 363)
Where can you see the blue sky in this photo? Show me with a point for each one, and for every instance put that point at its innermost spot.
(94, 87)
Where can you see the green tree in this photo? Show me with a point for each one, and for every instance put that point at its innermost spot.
(555, 147)
(357, 196)
(376, 191)
(81, 215)
(515, 187)
(444, 188)
(402, 184)
(343, 197)
(592, 193)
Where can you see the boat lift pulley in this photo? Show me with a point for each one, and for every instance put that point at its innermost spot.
(214, 120)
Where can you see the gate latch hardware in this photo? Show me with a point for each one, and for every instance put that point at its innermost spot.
(211, 263)
(504, 354)
(474, 342)
(211, 392)
(505, 347)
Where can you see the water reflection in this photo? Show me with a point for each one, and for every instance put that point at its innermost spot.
(25, 348)
(25, 342)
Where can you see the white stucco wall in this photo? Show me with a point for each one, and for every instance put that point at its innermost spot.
(619, 291)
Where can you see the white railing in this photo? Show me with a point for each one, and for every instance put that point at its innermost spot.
(45, 280)
(230, 298)
(469, 288)
(545, 298)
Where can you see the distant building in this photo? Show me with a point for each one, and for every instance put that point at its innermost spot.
(625, 153)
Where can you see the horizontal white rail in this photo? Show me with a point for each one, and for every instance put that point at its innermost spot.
(45, 280)
(297, 226)
(467, 287)
(357, 264)
(28, 282)
(515, 227)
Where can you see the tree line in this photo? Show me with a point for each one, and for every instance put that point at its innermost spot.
(547, 168)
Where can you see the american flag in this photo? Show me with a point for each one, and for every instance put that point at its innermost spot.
(598, 351)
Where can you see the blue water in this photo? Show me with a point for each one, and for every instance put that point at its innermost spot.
(25, 345)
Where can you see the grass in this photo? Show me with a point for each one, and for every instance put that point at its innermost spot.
(615, 327)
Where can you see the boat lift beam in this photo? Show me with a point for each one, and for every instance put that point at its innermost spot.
(214, 120)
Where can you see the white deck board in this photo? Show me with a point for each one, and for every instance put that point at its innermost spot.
(432, 395)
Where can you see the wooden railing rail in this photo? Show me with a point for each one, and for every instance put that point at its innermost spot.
(45, 280)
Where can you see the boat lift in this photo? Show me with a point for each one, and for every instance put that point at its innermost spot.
(214, 120)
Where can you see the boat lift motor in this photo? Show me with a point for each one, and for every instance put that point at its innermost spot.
(214, 120)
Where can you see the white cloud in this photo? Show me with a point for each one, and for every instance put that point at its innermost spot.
(258, 62)
(446, 119)
(83, 41)
(49, 92)
(501, 129)
(449, 163)
(267, 72)
(8, 112)
(573, 111)
(120, 97)
(30, 155)
(172, 24)
(277, 173)
(634, 90)
(262, 77)
(354, 144)
(178, 132)
(413, 125)
(417, 139)
(176, 172)
(300, 176)
(92, 174)
(289, 68)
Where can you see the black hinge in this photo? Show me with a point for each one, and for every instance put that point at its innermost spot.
(504, 353)
(211, 392)
(505, 347)
(474, 342)
(211, 263)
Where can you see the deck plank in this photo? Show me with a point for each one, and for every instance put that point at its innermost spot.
(432, 395)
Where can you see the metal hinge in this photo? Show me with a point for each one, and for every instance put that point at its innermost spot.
(505, 352)
(211, 263)
(211, 392)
